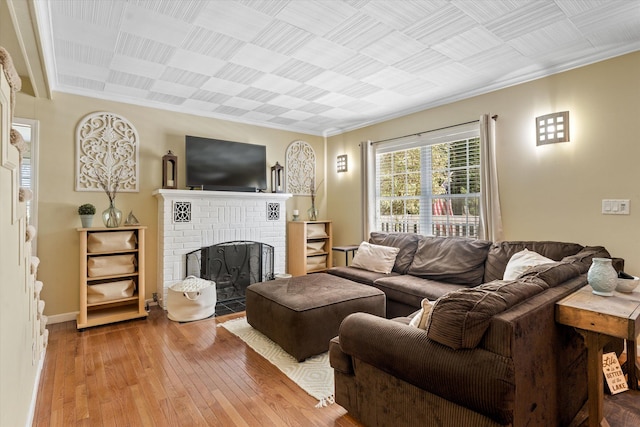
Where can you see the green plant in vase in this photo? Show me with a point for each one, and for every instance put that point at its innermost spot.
(86, 212)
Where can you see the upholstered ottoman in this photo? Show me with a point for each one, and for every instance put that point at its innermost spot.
(302, 314)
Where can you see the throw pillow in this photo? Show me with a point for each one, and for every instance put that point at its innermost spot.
(420, 319)
(521, 262)
(377, 258)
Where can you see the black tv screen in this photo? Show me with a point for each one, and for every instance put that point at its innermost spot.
(221, 165)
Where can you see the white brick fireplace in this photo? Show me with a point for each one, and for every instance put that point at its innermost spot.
(189, 220)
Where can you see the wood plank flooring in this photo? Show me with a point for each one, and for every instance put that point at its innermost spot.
(156, 372)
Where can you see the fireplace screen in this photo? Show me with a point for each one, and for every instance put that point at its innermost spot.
(233, 266)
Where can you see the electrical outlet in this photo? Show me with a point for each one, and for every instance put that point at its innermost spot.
(155, 296)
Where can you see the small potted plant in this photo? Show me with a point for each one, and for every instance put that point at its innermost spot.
(86, 212)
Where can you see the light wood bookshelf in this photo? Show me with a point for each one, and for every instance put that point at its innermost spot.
(113, 310)
(302, 257)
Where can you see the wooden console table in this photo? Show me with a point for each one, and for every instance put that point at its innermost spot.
(598, 319)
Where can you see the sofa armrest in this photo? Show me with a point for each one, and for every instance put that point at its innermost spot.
(477, 379)
(339, 360)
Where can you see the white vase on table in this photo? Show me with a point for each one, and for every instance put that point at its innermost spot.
(602, 277)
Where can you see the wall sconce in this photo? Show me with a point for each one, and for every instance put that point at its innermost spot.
(552, 128)
(170, 171)
(342, 163)
(277, 184)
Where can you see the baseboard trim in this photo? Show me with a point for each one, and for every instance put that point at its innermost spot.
(64, 317)
(67, 317)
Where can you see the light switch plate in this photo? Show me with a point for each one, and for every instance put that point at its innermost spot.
(615, 206)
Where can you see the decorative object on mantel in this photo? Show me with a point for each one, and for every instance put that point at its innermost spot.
(277, 184)
(170, 171)
(106, 142)
(300, 167)
(131, 219)
(86, 212)
(602, 277)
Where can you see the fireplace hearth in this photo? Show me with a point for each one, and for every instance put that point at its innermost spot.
(232, 266)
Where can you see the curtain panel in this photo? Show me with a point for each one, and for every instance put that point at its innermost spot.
(490, 213)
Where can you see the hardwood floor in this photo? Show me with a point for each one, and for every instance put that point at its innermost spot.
(156, 372)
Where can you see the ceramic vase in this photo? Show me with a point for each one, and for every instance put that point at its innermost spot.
(112, 216)
(602, 277)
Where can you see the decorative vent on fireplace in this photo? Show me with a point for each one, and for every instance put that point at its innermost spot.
(233, 266)
(181, 211)
(273, 211)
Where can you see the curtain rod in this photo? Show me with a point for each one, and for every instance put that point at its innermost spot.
(494, 117)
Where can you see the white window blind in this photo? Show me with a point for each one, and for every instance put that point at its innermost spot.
(429, 184)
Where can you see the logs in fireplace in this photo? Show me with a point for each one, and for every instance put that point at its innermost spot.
(232, 266)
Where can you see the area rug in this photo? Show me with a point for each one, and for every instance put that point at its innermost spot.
(314, 375)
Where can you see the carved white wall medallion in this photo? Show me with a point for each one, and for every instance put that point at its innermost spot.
(106, 147)
(300, 168)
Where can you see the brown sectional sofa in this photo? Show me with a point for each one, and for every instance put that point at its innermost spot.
(492, 354)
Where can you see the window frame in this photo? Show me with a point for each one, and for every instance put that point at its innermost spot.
(426, 198)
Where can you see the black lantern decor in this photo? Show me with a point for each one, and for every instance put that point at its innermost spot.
(277, 180)
(170, 171)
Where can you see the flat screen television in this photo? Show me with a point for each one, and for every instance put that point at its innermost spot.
(215, 164)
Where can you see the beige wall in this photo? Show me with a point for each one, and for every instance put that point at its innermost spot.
(549, 192)
(159, 132)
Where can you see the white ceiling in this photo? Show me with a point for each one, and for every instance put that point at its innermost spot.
(320, 67)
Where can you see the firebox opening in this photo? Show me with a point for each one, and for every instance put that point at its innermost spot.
(232, 266)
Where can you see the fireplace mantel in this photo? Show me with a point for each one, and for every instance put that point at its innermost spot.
(192, 219)
(205, 194)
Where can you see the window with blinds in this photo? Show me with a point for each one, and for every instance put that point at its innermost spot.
(429, 185)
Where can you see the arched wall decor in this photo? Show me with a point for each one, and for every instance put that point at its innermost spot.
(106, 149)
(300, 168)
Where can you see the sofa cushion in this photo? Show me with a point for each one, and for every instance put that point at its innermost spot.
(411, 290)
(407, 243)
(460, 318)
(501, 252)
(378, 258)
(358, 275)
(450, 259)
(553, 274)
(521, 262)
